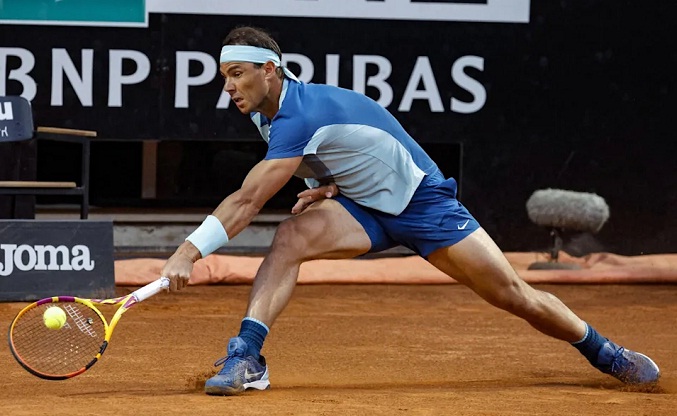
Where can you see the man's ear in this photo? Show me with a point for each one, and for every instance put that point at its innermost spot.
(269, 68)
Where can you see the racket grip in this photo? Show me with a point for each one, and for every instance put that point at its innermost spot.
(151, 289)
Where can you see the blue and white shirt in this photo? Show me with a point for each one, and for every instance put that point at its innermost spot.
(346, 138)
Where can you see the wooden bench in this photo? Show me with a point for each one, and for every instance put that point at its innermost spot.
(80, 188)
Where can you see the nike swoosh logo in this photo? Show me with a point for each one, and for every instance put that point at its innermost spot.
(462, 227)
(251, 376)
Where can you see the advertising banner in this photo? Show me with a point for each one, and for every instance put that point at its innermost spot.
(49, 258)
(161, 81)
(119, 13)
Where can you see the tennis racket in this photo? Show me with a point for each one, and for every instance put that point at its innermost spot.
(59, 354)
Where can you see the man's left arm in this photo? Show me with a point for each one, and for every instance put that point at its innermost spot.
(309, 196)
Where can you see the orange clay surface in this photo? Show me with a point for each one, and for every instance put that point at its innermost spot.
(364, 350)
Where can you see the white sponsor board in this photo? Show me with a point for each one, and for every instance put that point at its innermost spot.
(500, 11)
(506, 11)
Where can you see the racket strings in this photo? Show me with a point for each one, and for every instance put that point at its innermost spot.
(58, 351)
(80, 320)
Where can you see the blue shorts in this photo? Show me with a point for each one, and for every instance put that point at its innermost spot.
(433, 219)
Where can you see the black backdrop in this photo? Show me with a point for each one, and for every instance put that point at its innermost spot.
(576, 99)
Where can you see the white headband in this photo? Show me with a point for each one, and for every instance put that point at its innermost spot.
(244, 53)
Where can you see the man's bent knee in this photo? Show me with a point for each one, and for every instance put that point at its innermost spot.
(328, 232)
(290, 239)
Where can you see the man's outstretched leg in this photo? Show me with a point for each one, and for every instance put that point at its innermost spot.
(478, 263)
(326, 230)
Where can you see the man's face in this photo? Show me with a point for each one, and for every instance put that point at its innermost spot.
(246, 85)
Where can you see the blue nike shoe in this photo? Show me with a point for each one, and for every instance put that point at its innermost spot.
(239, 373)
(628, 366)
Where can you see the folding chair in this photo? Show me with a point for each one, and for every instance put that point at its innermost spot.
(16, 125)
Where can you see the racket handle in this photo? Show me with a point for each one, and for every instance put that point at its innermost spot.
(151, 289)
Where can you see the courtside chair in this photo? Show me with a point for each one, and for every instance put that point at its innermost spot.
(16, 124)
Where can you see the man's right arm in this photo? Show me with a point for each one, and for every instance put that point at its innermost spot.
(230, 217)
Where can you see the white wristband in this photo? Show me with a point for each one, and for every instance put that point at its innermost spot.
(209, 236)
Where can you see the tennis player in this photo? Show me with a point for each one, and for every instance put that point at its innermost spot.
(372, 187)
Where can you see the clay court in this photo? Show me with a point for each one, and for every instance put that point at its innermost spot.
(364, 350)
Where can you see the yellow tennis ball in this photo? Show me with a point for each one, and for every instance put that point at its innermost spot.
(54, 317)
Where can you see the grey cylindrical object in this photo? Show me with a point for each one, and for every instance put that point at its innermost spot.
(578, 211)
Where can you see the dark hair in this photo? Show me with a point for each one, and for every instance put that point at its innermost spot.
(252, 36)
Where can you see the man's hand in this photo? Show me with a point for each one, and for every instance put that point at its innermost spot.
(307, 197)
(178, 269)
